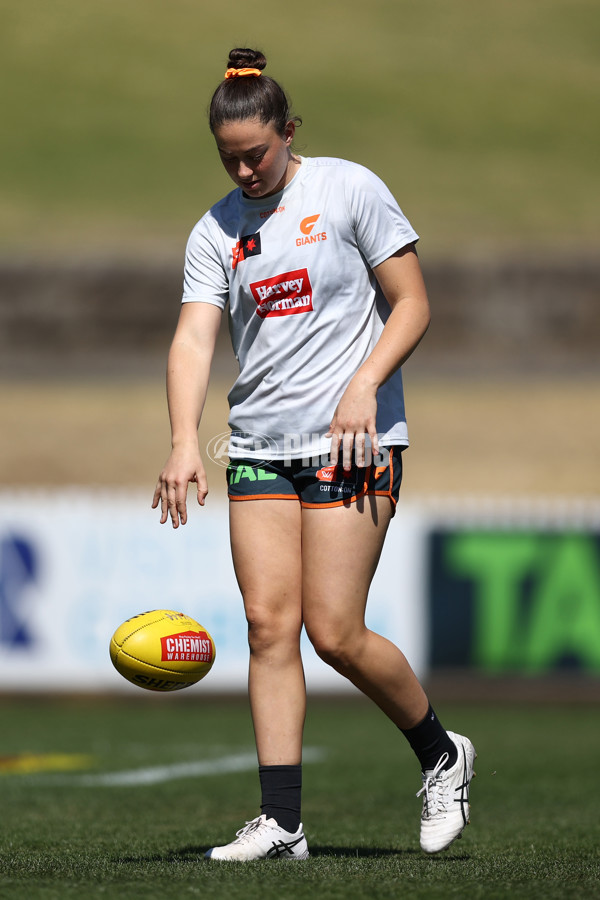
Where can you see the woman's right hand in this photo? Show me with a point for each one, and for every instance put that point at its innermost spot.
(183, 466)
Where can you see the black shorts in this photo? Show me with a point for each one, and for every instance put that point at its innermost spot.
(316, 486)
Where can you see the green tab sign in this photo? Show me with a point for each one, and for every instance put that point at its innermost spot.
(515, 601)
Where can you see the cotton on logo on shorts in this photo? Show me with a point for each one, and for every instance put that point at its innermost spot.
(283, 295)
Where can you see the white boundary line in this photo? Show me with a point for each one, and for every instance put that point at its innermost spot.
(238, 762)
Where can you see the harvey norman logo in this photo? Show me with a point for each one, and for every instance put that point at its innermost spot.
(283, 295)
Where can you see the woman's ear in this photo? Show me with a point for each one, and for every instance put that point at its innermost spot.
(289, 132)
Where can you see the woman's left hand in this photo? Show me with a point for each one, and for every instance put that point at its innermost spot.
(402, 284)
(354, 418)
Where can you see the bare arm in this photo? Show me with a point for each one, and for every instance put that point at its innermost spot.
(188, 371)
(355, 416)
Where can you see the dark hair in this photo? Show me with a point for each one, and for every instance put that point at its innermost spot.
(250, 97)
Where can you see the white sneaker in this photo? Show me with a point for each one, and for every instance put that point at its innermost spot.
(262, 838)
(446, 797)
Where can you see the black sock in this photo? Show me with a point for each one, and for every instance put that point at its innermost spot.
(281, 794)
(430, 741)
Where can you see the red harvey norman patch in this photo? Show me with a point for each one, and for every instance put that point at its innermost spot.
(190, 646)
(283, 295)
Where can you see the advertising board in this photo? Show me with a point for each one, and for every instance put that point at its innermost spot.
(514, 600)
(75, 564)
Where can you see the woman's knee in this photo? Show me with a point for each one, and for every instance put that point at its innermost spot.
(270, 628)
(335, 643)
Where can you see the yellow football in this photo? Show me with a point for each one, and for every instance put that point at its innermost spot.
(162, 650)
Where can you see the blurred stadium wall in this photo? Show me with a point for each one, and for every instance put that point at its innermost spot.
(506, 318)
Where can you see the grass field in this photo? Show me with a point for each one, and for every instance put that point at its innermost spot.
(93, 832)
(481, 117)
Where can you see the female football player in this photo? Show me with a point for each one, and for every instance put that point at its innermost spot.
(326, 302)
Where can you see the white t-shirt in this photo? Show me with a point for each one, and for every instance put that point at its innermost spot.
(305, 308)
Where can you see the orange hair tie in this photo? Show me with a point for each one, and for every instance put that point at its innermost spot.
(241, 73)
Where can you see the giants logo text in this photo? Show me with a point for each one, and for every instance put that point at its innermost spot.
(306, 227)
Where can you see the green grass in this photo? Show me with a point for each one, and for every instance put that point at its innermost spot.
(534, 829)
(481, 117)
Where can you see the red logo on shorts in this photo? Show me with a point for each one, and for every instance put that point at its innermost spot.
(283, 295)
(190, 646)
(326, 473)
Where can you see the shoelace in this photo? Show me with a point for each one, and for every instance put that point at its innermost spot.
(248, 829)
(433, 788)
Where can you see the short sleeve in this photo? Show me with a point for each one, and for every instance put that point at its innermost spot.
(380, 226)
(205, 278)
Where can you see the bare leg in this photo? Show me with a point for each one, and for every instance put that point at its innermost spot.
(266, 547)
(341, 547)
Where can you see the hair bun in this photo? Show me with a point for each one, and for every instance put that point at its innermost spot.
(243, 58)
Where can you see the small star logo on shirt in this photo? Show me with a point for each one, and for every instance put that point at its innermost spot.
(248, 245)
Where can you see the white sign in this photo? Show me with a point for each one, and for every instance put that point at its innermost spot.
(74, 564)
